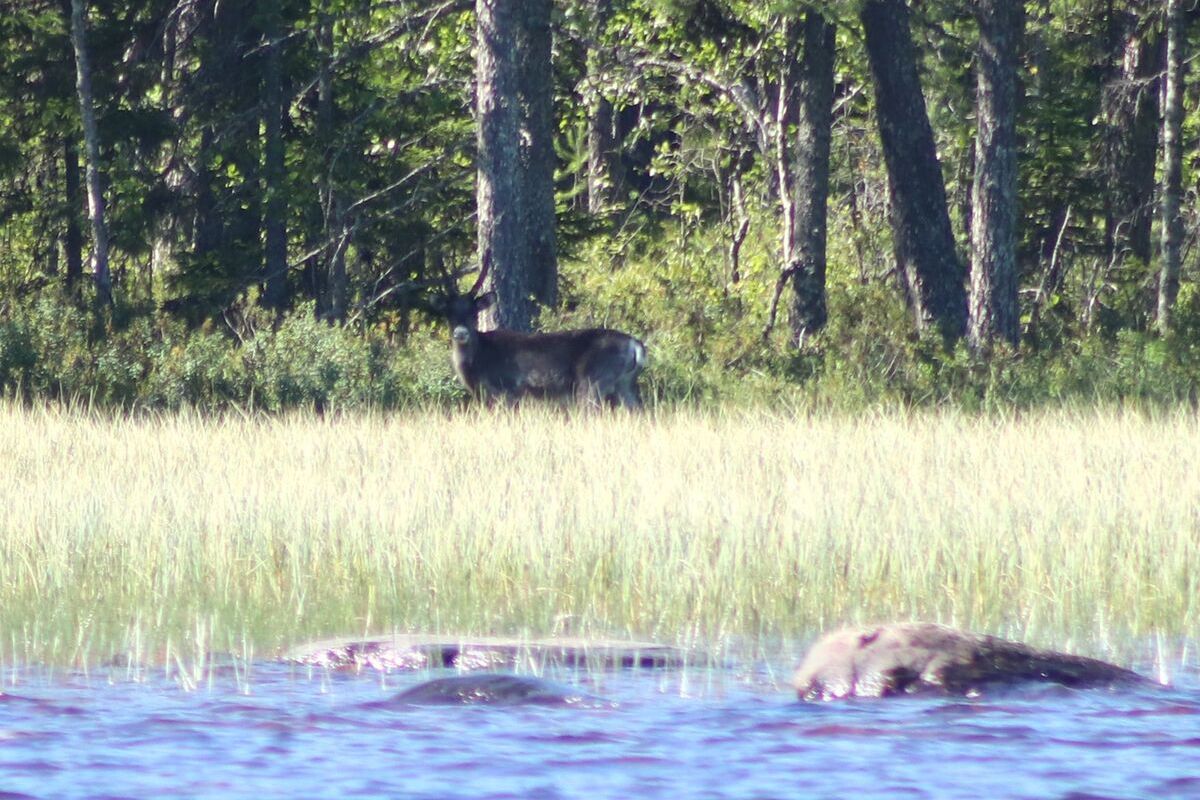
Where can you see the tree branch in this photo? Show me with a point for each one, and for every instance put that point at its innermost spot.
(741, 93)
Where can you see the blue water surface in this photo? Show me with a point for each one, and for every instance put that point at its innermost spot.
(286, 731)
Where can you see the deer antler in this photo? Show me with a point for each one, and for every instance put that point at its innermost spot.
(445, 279)
(484, 266)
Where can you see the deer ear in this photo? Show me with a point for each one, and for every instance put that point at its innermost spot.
(485, 301)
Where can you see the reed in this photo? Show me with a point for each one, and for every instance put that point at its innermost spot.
(163, 539)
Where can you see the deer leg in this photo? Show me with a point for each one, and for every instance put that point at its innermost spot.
(491, 399)
(611, 393)
(589, 395)
(625, 386)
(629, 395)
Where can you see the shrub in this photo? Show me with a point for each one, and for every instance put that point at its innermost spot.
(309, 363)
(203, 369)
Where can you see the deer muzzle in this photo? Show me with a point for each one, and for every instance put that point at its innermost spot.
(460, 334)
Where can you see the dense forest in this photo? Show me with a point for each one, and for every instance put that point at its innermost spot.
(216, 204)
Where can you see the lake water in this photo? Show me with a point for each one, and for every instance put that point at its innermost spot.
(290, 731)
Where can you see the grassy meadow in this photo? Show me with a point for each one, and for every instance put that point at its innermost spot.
(161, 539)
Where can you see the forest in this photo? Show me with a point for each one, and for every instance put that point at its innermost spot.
(222, 204)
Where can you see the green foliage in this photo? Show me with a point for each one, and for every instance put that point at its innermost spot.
(201, 370)
(417, 374)
(669, 284)
(308, 363)
(703, 335)
(49, 348)
(387, 160)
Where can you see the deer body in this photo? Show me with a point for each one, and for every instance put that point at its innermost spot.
(595, 366)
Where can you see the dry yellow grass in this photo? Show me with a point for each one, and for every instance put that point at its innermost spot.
(163, 538)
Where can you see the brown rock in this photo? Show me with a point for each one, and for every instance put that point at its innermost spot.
(908, 657)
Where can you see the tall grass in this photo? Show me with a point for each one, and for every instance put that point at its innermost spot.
(160, 539)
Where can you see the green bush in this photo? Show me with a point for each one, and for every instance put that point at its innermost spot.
(309, 363)
(417, 374)
(201, 370)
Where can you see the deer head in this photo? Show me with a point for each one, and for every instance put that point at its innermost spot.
(462, 310)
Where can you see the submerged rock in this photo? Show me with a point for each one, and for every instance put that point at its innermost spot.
(909, 657)
(490, 688)
(421, 651)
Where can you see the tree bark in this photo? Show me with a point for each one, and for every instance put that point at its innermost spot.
(499, 207)
(91, 139)
(924, 242)
(994, 311)
(1172, 192)
(334, 277)
(811, 189)
(274, 173)
(73, 243)
(537, 92)
(777, 146)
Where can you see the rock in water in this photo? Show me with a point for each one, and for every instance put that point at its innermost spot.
(433, 651)
(490, 688)
(908, 657)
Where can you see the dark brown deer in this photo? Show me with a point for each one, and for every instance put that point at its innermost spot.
(595, 367)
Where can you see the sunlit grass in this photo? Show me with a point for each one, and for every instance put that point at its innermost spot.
(163, 539)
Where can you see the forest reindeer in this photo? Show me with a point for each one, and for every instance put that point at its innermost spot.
(595, 367)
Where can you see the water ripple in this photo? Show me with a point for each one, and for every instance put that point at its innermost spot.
(657, 734)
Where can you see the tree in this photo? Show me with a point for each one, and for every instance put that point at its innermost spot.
(920, 220)
(1130, 111)
(73, 240)
(222, 104)
(604, 181)
(91, 138)
(994, 309)
(537, 94)
(770, 77)
(811, 190)
(274, 170)
(1172, 219)
(332, 288)
(500, 197)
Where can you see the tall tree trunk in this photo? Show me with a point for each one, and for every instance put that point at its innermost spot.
(500, 214)
(776, 144)
(91, 139)
(924, 242)
(162, 245)
(331, 202)
(274, 201)
(994, 309)
(537, 92)
(1172, 192)
(604, 167)
(45, 251)
(73, 243)
(1131, 137)
(811, 190)
(206, 225)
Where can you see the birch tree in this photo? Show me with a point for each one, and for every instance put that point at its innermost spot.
(91, 141)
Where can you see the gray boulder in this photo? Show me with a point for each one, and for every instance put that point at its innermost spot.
(909, 657)
(405, 652)
(490, 688)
